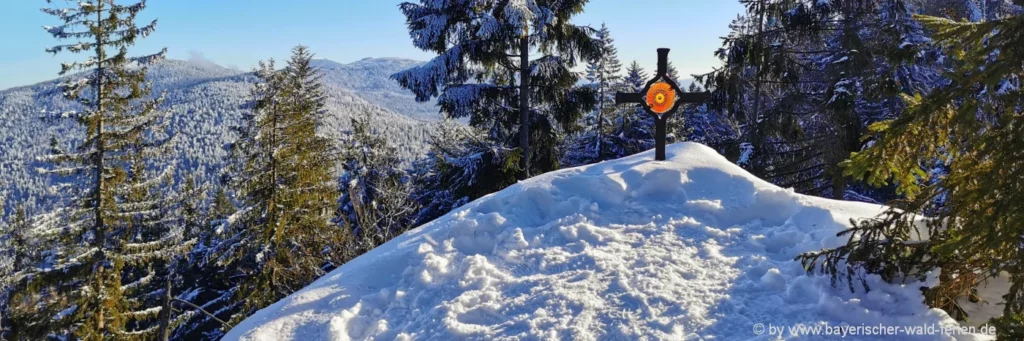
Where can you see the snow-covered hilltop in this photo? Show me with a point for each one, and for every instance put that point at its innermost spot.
(693, 248)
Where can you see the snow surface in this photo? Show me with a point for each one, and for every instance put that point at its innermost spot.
(693, 248)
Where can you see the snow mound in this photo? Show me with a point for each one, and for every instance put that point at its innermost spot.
(693, 248)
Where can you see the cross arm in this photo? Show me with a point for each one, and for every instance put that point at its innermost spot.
(694, 97)
(628, 97)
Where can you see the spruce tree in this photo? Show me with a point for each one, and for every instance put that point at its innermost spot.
(376, 195)
(803, 79)
(204, 291)
(21, 254)
(672, 72)
(591, 144)
(192, 212)
(92, 288)
(603, 73)
(634, 126)
(461, 165)
(974, 128)
(483, 70)
(222, 205)
(209, 290)
(284, 229)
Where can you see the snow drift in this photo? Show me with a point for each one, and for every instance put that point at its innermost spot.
(693, 248)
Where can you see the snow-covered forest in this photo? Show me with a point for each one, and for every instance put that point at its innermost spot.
(858, 163)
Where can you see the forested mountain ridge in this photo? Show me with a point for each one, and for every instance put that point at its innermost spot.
(204, 100)
(370, 78)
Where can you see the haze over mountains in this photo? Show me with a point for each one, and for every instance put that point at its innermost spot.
(206, 101)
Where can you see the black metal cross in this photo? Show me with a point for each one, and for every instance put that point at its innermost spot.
(660, 98)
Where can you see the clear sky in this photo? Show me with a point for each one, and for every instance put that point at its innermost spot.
(237, 33)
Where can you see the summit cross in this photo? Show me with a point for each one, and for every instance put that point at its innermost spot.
(660, 98)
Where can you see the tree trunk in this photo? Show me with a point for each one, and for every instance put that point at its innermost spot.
(99, 227)
(600, 121)
(524, 106)
(838, 187)
(758, 139)
(164, 332)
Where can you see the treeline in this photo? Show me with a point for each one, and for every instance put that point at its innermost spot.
(853, 99)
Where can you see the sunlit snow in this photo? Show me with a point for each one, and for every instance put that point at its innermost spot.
(693, 248)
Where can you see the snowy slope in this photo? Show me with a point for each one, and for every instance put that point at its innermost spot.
(693, 248)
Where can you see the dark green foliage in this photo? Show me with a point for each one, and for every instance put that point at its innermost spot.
(974, 128)
(803, 79)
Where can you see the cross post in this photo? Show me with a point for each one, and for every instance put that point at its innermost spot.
(660, 98)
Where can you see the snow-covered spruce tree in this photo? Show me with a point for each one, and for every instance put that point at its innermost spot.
(175, 284)
(376, 194)
(213, 292)
(975, 126)
(588, 146)
(633, 126)
(804, 79)
(283, 234)
(711, 128)
(672, 72)
(462, 165)
(603, 71)
(222, 206)
(483, 70)
(93, 286)
(156, 231)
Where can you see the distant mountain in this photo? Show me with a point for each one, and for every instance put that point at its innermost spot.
(205, 101)
(370, 79)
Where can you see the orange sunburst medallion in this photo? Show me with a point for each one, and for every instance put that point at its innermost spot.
(661, 97)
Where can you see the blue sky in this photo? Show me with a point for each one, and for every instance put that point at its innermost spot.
(238, 33)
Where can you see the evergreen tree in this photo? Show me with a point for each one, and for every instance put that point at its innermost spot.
(376, 195)
(93, 287)
(483, 70)
(154, 232)
(590, 145)
(462, 165)
(803, 79)
(284, 230)
(207, 293)
(635, 78)
(672, 72)
(191, 211)
(203, 292)
(634, 127)
(974, 128)
(603, 73)
(222, 205)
